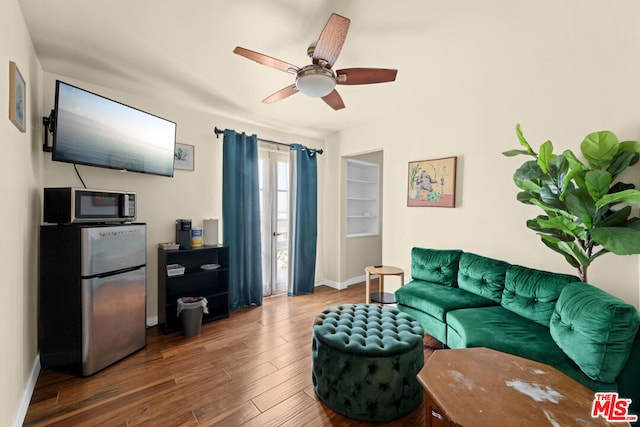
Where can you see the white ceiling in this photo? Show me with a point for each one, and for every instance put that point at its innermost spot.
(181, 51)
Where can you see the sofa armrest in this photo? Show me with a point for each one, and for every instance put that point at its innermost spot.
(595, 329)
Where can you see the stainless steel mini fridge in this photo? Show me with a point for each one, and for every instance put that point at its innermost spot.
(92, 295)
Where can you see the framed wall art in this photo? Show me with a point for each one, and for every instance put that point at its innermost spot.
(432, 183)
(17, 98)
(184, 157)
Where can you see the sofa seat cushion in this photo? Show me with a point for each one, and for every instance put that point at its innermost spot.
(432, 326)
(435, 265)
(595, 329)
(482, 276)
(502, 330)
(533, 293)
(436, 300)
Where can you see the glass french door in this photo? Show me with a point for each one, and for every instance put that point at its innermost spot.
(273, 170)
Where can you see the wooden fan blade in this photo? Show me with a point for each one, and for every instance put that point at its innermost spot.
(331, 39)
(263, 59)
(334, 100)
(363, 76)
(281, 94)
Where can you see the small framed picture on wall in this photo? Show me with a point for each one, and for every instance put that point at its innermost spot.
(184, 157)
(17, 98)
(432, 183)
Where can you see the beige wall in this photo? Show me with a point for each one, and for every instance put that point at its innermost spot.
(330, 228)
(560, 70)
(20, 178)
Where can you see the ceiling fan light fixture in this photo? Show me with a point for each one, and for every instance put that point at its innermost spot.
(315, 81)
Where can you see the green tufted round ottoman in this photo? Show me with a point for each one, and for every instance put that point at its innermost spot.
(365, 361)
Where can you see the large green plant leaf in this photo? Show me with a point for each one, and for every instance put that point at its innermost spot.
(550, 210)
(578, 253)
(573, 160)
(598, 183)
(534, 224)
(620, 186)
(550, 194)
(626, 196)
(558, 171)
(545, 156)
(525, 197)
(559, 246)
(616, 218)
(523, 140)
(577, 168)
(599, 148)
(568, 184)
(581, 205)
(564, 225)
(619, 240)
(512, 153)
(526, 185)
(620, 162)
(632, 146)
(528, 171)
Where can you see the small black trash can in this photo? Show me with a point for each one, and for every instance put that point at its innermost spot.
(190, 311)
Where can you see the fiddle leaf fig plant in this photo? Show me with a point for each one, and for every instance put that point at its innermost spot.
(587, 211)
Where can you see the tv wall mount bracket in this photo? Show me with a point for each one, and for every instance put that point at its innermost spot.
(49, 124)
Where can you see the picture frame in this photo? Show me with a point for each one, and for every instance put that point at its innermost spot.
(17, 98)
(184, 157)
(432, 183)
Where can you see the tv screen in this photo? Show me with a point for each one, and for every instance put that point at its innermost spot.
(97, 131)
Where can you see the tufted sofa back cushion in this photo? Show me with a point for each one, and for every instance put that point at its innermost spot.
(482, 276)
(533, 293)
(595, 329)
(438, 266)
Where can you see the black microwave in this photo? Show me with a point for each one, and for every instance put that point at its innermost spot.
(69, 205)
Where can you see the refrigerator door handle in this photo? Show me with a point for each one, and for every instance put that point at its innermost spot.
(111, 273)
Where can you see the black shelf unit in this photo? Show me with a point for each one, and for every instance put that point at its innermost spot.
(195, 282)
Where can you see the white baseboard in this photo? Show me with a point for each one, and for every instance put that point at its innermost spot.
(152, 321)
(28, 392)
(342, 285)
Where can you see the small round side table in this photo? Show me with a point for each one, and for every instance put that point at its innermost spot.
(381, 297)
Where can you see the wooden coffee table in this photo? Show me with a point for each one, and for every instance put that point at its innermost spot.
(484, 387)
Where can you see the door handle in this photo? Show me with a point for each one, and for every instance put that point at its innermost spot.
(278, 234)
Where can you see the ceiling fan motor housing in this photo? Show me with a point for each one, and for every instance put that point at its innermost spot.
(315, 80)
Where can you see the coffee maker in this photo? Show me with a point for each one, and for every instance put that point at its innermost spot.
(183, 233)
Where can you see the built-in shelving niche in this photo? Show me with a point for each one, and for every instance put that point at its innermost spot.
(363, 198)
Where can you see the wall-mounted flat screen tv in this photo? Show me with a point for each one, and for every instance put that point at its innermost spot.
(93, 130)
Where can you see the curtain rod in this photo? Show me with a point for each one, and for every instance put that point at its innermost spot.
(218, 132)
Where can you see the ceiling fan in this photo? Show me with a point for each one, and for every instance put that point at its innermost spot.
(318, 79)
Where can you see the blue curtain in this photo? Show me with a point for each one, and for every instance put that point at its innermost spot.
(241, 218)
(303, 224)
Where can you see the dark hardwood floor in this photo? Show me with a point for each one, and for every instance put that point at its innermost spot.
(252, 369)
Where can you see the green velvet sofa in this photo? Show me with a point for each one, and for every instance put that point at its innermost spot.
(467, 300)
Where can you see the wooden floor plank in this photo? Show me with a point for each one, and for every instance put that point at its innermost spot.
(279, 414)
(235, 416)
(251, 369)
(282, 392)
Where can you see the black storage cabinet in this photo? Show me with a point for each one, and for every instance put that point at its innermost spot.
(195, 282)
